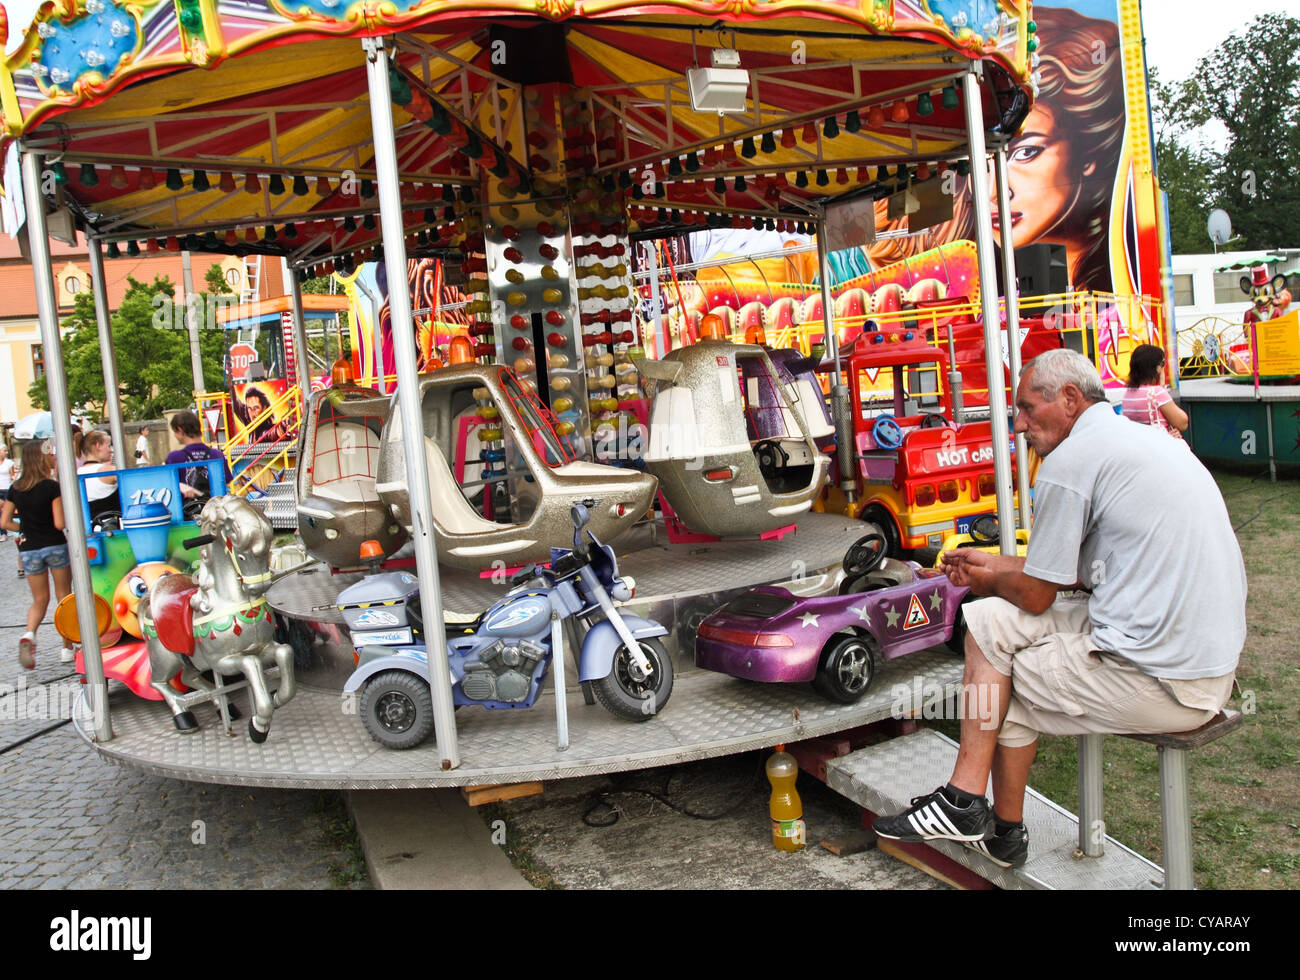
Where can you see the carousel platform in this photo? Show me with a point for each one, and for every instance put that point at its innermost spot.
(316, 743)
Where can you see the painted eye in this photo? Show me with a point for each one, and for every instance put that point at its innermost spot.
(137, 586)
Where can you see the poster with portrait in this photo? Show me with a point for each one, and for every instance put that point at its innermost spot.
(251, 420)
(1080, 175)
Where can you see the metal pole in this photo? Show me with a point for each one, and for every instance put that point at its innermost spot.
(979, 192)
(840, 411)
(426, 555)
(107, 356)
(1011, 289)
(192, 326)
(1092, 821)
(65, 461)
(299, 329)
(661, 345)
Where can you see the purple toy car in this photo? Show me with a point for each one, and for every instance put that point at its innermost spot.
(886, 608)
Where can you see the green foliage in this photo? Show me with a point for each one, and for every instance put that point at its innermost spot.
(216, 281)
(1251, 86)
(152, 352)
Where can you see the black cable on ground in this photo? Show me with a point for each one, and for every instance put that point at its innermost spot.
(28, 738)
(1260, 509)
(36, 684)
(604, 799)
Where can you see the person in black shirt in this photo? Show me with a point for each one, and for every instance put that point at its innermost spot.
(34, 498)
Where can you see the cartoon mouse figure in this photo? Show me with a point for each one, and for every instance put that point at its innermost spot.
(1269, 297)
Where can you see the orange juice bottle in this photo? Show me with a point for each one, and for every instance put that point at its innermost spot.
(784, 806)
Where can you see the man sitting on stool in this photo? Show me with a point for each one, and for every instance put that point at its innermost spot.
(1126, 616)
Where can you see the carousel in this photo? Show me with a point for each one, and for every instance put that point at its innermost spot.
(529, 146)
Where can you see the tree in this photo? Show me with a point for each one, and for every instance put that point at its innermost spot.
(152, 351)
(1184, 170)
(1251, 84)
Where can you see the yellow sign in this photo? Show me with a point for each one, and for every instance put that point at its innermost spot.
(1279, 344)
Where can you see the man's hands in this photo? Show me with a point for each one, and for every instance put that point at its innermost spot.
(978, 570)
(999, 575)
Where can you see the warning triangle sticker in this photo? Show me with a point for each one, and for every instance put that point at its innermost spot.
(915, 614)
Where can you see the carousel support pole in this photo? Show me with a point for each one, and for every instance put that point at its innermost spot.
(57, 388)
(302, 366)
(107, 356)
(979, 193)
(840, 411)
(192, 325)
(426, 556)
(1012, 289)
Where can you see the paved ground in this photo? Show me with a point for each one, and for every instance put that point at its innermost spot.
(697, 825)
(70, 820)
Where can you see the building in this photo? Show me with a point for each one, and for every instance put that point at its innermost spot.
(1207, 288)
(22, 355)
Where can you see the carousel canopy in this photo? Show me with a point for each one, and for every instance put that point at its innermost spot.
(244, 125)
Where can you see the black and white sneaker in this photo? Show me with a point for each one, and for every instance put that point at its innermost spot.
(933, 817)
(1010, 850)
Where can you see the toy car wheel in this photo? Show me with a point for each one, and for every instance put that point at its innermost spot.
(879, 516)
(626, 694)
(846, 669)
(957, 642)
(397, 710)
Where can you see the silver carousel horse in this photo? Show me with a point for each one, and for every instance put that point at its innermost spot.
(221, 621)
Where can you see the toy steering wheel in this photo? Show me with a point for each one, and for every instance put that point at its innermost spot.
(887, 433)
(771, 457)
(865, 555)
(933, 420)
(984, 530)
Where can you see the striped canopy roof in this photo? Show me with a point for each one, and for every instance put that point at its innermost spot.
(247, 95)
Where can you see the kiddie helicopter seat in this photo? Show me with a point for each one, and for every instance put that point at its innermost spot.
(454, 511)
(344, 462)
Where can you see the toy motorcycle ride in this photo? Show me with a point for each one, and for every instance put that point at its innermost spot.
(501, 658)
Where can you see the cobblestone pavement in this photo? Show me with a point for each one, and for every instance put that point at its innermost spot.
(68, 819)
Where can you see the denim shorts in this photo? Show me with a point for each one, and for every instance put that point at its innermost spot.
(36, 562)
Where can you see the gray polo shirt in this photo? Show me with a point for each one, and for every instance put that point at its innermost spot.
(1133, 515)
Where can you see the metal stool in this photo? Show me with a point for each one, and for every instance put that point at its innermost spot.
(1175, 808)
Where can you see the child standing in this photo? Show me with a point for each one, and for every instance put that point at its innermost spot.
(34, 497)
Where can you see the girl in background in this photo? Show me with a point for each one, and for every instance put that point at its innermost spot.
(1147, 400)
(34, 497)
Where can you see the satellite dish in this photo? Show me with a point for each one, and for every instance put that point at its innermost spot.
(1219, 226)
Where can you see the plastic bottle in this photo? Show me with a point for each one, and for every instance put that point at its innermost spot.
(784, 806)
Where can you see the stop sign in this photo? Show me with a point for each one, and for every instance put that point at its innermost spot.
(241, 356)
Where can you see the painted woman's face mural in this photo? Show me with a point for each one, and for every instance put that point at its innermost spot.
(1043, 171)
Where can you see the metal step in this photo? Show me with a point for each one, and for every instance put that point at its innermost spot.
(883, 779)
(282, 505)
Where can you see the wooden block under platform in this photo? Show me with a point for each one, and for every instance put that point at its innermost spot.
(842, 845)
(934, 864)
(481, 795)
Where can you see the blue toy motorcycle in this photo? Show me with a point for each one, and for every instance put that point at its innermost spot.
(500, 659)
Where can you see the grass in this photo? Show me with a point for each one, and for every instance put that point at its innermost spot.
(339, 834)
(1245, 788)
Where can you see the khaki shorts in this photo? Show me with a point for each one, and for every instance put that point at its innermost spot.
(1060, 685)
